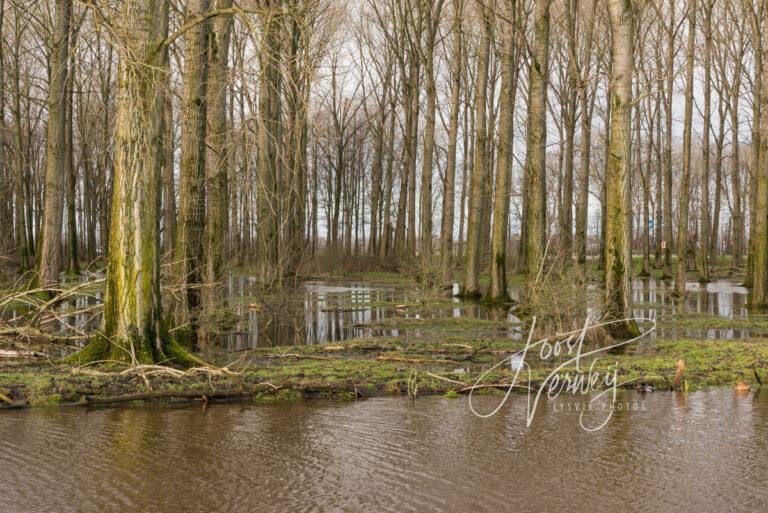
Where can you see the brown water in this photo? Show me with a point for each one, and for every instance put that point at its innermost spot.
(705, 452)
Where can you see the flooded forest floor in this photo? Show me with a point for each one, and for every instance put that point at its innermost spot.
(373, 334)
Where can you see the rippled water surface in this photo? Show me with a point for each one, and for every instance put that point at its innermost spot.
(704, 452)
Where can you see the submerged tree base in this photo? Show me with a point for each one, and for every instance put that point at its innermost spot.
(135, 351)
(623, 330)
(500, 300)
(473, 295)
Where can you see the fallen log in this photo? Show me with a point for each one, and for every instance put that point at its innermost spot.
(179, 394)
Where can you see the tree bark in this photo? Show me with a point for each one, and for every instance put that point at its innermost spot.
(618, 256)
(269, 131)
(49, 259)
(132, 326)
(188, 251)
(217, 163)
(585, 148)
(683, 205)
(704, 241)
(471, 286)
(535, 161)
(759, 257)
(449, 184)
(498, 290)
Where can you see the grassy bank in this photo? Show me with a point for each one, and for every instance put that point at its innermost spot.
(366, 368)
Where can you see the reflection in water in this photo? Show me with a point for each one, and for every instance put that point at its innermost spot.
(318, 312)
(653, 300)
(390, 455)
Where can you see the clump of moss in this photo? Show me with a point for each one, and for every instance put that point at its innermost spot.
(281, 396)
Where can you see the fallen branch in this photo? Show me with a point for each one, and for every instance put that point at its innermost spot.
(447, 380)
(21, 353)
(446, 360)
(63, 296)
(300, 356)
(11, 403)
(29, 332)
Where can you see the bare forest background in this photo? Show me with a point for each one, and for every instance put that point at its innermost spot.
(168, 141)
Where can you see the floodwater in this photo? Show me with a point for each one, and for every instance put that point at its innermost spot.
(706, 451)
(319, 312)
(720, 298)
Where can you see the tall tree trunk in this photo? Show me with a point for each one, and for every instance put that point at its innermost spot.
(22, 242)
(645, 176)
(535, 161)
(269, 128)
(449, 184)
(498, 289)
(433, 11)
(585, 149)
(471, 286)
(757, 115)
(715, 230)
(6, 218)
(682, 219)
(217, 163)
(73, 257)
(658, 225)
(566, 218)
(49, 259)
(704, 241)
(736, 221)
(759, 257)
(132, 326)
(169, 191)
(188, 251)
(668, 95)
(618, 257)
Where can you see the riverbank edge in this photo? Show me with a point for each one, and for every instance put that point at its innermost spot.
(371, 368)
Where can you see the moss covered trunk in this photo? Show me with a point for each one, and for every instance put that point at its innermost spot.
(618, 258)
(759, 257)
(132, 328)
